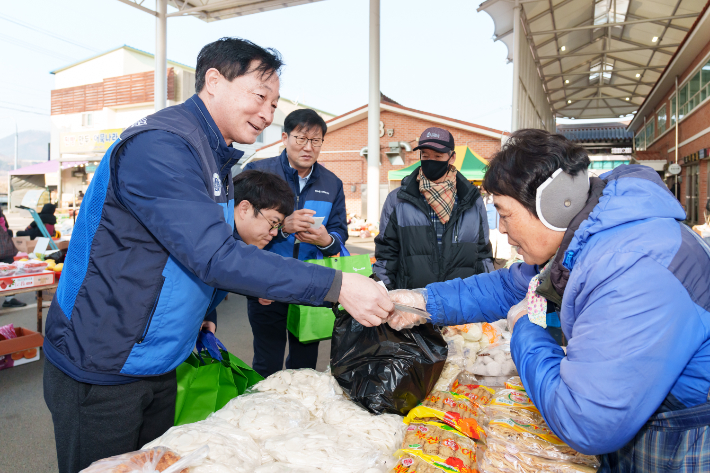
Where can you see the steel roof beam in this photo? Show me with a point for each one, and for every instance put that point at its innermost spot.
(609, 25)
(563, 74)
(139, 6)
(596, 87)
(611, 51)
(660, 23)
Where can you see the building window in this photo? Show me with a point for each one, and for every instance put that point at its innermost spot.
(650, 132)
(673, 110)
(260, 138)
(87, 119)
(695, 91)
(662, 120)
(641, 140)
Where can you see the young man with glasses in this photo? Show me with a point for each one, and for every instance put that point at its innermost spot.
(318, 193)
(261, 203)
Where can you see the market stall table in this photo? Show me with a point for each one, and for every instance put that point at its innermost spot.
(38, 290)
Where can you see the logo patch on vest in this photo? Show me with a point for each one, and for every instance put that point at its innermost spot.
(216, 184)
(141, 122)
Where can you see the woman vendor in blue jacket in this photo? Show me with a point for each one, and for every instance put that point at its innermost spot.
(631, 284)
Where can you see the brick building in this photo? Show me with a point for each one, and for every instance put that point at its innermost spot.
(655, 123)
(345, 147)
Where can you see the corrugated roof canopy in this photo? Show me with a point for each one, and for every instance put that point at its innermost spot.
(615, 132)
(213, 10)
(598, 58)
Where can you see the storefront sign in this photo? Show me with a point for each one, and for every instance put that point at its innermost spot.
(674, 168)
(621, 150)
(88, 142)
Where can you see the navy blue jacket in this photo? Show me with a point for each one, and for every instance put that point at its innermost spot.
(153, 240)
(323, 193)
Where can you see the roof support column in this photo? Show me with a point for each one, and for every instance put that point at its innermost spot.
(373, 117)
(160, 97)
(517, 31)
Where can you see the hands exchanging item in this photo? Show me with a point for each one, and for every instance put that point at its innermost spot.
(375, 311)
(416, 298)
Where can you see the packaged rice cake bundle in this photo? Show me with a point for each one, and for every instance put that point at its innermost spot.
(513, 437)
(504, 458)
(435, 447)
(513, 403)
(453, 409)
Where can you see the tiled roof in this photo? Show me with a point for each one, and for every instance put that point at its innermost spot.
(587, 133)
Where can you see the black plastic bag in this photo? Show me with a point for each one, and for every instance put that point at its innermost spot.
(384, 370)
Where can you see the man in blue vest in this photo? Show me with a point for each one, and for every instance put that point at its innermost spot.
(319, 194)
(151, 246)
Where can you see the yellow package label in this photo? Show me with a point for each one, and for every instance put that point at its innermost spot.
(453, 409)
(537, 430)
(513, 398)
(515, 383)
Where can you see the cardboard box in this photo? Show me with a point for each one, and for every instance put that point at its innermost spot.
(24, 244)
(23, 281)
(26, 345)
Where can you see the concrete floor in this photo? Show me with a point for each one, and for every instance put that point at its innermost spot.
(26, 431)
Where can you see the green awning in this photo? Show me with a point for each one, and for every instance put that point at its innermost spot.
(468, 162)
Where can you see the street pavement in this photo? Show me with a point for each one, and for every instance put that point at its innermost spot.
(26, 431)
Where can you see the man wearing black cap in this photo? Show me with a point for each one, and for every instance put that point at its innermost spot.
(433, 228)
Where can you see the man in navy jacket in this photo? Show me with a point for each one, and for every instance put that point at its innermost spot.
(318, 193)
(151, 246)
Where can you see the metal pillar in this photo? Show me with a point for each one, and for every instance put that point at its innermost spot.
(515, 122)
(161, 62)
(373, 117)
(677, 120)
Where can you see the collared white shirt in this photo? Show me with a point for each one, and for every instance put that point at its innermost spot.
(302, 180)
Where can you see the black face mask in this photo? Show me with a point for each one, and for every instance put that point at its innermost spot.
(434, 170)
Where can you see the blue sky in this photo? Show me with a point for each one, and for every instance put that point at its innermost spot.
(435, 56)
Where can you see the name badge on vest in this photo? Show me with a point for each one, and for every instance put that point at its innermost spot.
(217, 184)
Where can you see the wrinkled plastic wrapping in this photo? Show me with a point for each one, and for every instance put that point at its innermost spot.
(228, 445)
(519, 440)
(148, 460)
(495, 361)
(385, 370)
(293, 421)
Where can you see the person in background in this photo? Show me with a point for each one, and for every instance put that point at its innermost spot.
(262, 202)
(434, 228)
(7, 255)
(318, 193)
(48, 219)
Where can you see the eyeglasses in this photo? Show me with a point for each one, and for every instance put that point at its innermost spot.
(273, 226)
(315, 142)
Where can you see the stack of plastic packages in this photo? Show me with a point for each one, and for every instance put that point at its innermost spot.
(519, 441)
(443, 430)
(481, 349)
(293, 421)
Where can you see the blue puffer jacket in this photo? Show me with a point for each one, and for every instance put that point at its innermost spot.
(323, 193)
(635, 311)
(153, 240)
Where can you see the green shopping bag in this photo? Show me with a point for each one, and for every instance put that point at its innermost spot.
(312, 324)
(207, 382)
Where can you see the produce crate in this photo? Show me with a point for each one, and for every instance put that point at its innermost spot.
(24, 281)
(21, 350)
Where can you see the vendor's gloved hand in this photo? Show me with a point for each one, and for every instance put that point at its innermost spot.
(518, 310)
(416, 298)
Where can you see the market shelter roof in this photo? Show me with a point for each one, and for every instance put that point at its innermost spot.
(214, 10)
(468, 162)
(597, 59)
